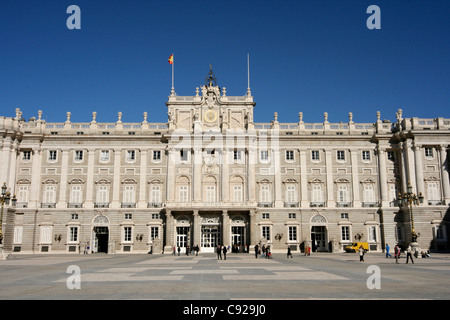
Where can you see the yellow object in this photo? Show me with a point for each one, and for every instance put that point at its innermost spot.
(354, 247)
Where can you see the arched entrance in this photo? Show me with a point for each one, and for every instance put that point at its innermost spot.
(211, 233)
(238, 233)
(319, 235)
(100, 234)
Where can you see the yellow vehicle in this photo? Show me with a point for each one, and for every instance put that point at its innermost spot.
(354, 247)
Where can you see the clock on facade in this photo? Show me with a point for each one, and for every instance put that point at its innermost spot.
(210, 116)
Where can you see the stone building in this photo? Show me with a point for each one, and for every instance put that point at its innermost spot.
(211, 176)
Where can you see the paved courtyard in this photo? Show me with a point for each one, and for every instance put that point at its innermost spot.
(241, 276)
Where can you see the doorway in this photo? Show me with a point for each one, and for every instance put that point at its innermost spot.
(183, 238)
(318, 238)
(100, 239)
(211, 236)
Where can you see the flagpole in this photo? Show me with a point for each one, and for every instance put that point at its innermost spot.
(249, 93)
(173, 66)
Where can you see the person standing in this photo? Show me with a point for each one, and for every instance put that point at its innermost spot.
(409, 254)
(289, 254)
(396, 253)
(361, 254)
(219, 252)
(388, 255)
(179, 250)
(224, 252)
(256, 251)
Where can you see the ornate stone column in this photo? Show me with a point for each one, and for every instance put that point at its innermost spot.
(419, 169)
(382, 176)
(89, 203)
(170, 221)
(355, 178)
(116, 181)
(196, 232)
(62, 202)
(35, 178)
(226, 228)
(445, 173)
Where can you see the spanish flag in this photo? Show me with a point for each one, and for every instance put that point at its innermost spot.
(171, 59)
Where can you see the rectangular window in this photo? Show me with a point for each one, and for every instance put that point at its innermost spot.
(183, 193)
(26, 155)
(264, 155)
(265, 194)
(292, 215)
(344, 216)
(129, 195)
(52, 154)
(18, 234)
(128, 216)
(155, 216)
(365, 155)
(266, 232)
(291, 194)
(289, 155)
(155, 194)
(49, 194)
(131, 155)
(73, 234)
(237, 194)
(210, 194)
(102, 194)
(316, 194)
(368, 194)
(292, 233)
(126, 234)
(265, 216)
(184, 155)
(156, 155)
(45, 235)
(340, 155)
(154, 233)
(78, 155)
(75, 194)
(372, 234)
(342, 194)
(429, 153)
(74, 216)
(433, 191)
(345, 233)
(391, 155)
(315, 155)
(104, 155)
(23, 194)
(237, 155)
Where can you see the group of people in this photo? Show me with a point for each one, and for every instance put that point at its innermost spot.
(221, 249)
(195, 249)
(263, 251)
(409, 253)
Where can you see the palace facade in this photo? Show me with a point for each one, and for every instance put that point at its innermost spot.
(211, 176)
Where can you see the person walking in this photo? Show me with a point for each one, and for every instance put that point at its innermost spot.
(388, 255)
(289, 254)
(396, 253)
(179, 250)
(409, 254)
(256, 251)
(267, 252)
(224, 252)
(361, 254)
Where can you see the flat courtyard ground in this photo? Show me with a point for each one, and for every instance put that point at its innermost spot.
(239, 277)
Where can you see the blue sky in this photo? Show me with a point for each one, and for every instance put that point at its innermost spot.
(312, 56)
